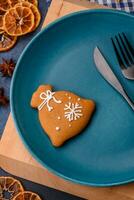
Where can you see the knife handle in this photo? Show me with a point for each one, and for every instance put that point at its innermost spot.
(128, 99)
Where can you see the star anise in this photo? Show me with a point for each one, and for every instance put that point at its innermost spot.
(3, 99)
(7, 67)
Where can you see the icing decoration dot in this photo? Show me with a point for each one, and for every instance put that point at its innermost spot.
(72, 111)
(59, 117)
(69, 97)
(57, 128)
(46, 97)
(78, 99)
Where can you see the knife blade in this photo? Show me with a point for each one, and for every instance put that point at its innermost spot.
(107, 73)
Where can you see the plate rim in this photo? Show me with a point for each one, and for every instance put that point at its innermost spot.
(12, 105)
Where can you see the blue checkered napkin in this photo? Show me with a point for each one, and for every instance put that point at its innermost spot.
(125, 5)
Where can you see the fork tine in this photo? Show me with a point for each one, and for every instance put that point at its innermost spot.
(128, 43)
(122, 52)
(126, 49)
(121, 63)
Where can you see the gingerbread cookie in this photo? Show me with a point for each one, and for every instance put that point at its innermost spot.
(62, 114)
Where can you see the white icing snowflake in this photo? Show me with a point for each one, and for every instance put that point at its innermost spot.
(72, 111)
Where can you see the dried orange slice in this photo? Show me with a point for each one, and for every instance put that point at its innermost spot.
(37, 16)
(14, 2)
(1, 21)
(1, 192)
(1, 31)
(34, 2)
(7, 41)
(10, 187)
(27, 196)
(18, 21)
(4, 5)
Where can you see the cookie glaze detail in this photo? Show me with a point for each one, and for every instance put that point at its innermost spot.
(73, 111)
(46, 97)
(57, 128)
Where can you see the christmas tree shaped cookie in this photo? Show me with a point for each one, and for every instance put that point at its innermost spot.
(62, 114)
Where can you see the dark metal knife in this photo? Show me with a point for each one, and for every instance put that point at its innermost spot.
(107, 73)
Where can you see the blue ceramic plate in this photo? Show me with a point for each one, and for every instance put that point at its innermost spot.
(62, 55)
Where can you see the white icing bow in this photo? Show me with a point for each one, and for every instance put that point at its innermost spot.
(46, 97)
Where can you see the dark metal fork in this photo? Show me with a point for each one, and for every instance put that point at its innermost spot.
(125, 55)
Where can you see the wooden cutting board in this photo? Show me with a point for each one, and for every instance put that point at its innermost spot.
(14, 157)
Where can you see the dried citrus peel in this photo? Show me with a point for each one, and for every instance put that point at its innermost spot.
(18, 21)
(27, 196)
(14, 2)
(11, 186)
(34, 2)
(4, 5)
(7, 41)
(1, 20)
(37, 16)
